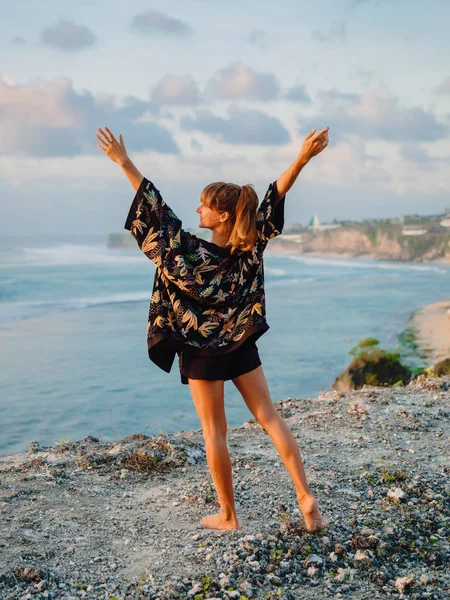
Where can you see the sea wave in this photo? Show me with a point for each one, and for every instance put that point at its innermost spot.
(364, 264)
(19, 311)
(78, 254)
(288, 281)
(275, 272)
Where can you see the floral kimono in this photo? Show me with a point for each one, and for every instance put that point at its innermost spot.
(205, 300)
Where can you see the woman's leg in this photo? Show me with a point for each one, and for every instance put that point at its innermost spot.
(254, 389)
(208, 397)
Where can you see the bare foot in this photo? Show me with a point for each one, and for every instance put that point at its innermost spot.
(311, 513)
(219, 521)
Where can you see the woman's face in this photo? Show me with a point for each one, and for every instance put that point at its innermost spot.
(208, 217)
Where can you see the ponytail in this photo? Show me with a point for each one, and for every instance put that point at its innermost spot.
(243, 233)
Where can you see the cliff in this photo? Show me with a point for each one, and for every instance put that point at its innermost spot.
(383, 243)
(121, 520)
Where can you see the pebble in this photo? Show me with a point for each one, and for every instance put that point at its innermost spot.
(313, 559)
(397, 495)
(403, 582)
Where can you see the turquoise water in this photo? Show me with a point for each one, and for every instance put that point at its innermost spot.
(73, 348)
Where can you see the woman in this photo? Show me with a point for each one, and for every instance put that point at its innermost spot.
(208, 306)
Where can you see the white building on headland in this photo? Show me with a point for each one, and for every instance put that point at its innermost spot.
(414, 230)
(314, 223)
(445, 223)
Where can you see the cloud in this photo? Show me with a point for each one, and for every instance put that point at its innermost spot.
(196, 145)
(67, 36)
(421, 158)
(335, 95)
(152, 22)
(132, 108)
(243, 126)
(17, 41)
(416, 154)
(239, 81)
(365, 76)
(259, 37)
(348, 165)
(50, 119)
(299, 94)
(175, 90)
(374, 115)
(444, 87)
(336, 33)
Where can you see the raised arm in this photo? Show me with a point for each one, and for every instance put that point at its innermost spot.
(157, 229)
(312, 145)
(116, 151)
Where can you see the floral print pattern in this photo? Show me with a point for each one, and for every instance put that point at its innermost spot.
(204, 299)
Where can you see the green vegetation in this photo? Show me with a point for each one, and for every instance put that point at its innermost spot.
(63, 441)
(419, 245)
(372, 366)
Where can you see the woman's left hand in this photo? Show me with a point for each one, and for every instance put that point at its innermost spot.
(115, 150)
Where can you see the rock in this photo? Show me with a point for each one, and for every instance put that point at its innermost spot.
(396, 495)
(233, 594)
(442, 368)
(333, 556)
(313, 559)
(401, 583)
(339, 549)
(362, 557)
(195, 589)
(34, 447)
(342, 574)
(246, 588)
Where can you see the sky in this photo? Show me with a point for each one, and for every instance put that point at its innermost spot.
(206, 91)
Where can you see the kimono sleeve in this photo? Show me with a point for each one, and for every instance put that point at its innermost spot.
(269, 217)
(153, 223)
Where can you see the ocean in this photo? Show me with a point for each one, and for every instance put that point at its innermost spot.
(73, 351)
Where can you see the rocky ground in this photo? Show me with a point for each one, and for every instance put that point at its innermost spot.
(91, 520)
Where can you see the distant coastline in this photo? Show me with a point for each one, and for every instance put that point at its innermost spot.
(288, 248)
(347, 242)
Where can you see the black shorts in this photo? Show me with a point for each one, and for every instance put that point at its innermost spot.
(226, 366)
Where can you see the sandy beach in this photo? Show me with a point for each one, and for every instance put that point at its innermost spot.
(432, 329)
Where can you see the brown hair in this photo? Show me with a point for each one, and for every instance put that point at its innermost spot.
(241, 202)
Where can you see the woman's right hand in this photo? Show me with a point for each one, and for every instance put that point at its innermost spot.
(314, 144)
(115, 150)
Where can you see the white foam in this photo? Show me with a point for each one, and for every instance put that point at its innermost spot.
(275, 272)
(18, 311)
(362, 264)
(73, 254)
(288, 281)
